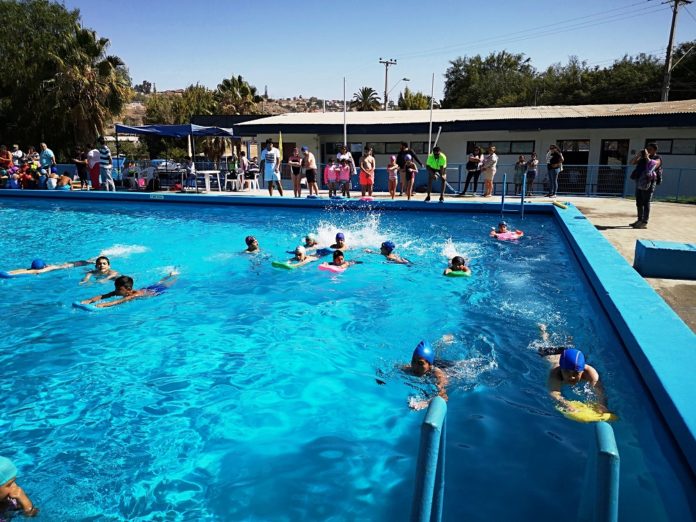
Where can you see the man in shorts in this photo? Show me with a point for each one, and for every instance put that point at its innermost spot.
(270, 166)
(436, 165)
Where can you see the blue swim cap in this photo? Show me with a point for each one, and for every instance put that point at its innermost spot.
(424, 351)
(304, 148)
(54, 170)
(340, 237)
(38, 264)
(8, 470)
(389, 246)
(572, 360)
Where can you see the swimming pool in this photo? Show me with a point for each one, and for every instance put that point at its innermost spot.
(250, 393)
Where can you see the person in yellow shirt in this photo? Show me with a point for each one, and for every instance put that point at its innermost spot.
(437, 167)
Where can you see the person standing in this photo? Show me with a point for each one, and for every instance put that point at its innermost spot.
(295, 162)
(309, 162)
(105, 165)
(17, 154)
(46, 158)
(344, 154)
(5, 158)
(554, 166)
(436, 165)
(488, 169)
(94, 167)
(473, 170)
(367, 172)
(645, 175)
(401, 162)
(532, 166)
(520, 169)
(80, 161)
(270, 166)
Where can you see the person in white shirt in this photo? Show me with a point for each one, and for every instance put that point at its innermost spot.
(94, 165)
(270, 166)
(17, 155)
(490, 164)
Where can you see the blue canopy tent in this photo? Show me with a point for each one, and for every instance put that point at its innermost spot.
(174, 131)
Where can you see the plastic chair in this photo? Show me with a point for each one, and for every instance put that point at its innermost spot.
(231, 179)
(253, 182)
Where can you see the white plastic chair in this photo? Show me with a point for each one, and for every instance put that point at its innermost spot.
(253, 183)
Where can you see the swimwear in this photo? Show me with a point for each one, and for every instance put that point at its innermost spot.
(157, 289)
(311, 175)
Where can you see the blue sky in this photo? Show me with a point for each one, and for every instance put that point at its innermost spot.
(307, 47)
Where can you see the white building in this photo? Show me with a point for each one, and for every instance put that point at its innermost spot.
(598, 141)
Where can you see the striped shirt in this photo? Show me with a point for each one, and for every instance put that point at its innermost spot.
(104, 156)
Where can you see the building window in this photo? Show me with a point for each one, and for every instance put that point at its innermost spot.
(331, 149)
(377, 147)
(583, 145)
(503, 147)
(419, 147)
(674, 146)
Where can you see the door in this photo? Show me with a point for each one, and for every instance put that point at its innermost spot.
(612, 167)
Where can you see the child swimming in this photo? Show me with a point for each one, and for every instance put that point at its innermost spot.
(339, 260)
(503, 232)
(340, 242)
(12, 497)
(458, 264)
(123, 288)
(252, 245)
(423, 365)
(387, 250)
(102, 271)
(568, 367)
(39, 266)
(301, 258)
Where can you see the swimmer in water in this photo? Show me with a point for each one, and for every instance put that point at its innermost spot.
(387, 250)
(502, 229)
(38, 266)
(340, 261)
(12, 497)
(340, 242)
(458, 264)
(568, 367)
(102, 271)
(310, 241)
(252, 245)
(423, 365)
(301, 258)
(123, 288)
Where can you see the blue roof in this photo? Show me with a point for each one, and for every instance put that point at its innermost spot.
(174, 131)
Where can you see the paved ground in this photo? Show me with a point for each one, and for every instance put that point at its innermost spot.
(668, 222)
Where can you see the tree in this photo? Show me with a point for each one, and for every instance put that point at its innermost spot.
(56, 85)
(143, 88)
(234, 95)
(683, 83)
(366, 99)
(412, 101)
(501, 79)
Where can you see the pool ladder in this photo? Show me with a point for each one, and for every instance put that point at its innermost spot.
(600, 499)
(522, 196)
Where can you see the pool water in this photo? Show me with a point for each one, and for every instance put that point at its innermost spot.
(252, 393)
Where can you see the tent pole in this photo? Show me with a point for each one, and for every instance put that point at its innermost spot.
(193, 148)
(117, 157)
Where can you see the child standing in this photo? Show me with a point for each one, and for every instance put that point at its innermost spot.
(393, 175)
(410, 176)
(532, 166)
(344, 177)
(330, 176)
(520, 169)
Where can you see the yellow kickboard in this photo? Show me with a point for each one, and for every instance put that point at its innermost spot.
(586, 413)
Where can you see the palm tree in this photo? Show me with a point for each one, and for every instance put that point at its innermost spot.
(89, 87)
(235, 95)
(366, 99)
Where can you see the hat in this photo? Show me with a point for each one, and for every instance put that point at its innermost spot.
(389, 246)
(424, 351)
(38, 264)
(250, 239)
(8, 470)
(340, 237)
(305, 148)
(573, 360)
(299, 249)
(408, 157)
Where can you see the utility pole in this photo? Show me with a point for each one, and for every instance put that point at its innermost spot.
(386, 64)
(670, 45)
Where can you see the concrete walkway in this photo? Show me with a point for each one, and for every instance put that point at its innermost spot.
(668, 222)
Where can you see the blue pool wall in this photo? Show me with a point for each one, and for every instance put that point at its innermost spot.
(659, 343)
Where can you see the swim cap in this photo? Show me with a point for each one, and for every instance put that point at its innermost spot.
(408, 157)
(38, 264)
(305, 148)
(299, 249)
(573, 360)
(424, 351)
(458, 260)
(54, 170)
(393, 158)
(310, 238)
(389, 246)
(340, 237)
(502, 224)
(250, 239)
(8, 470)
